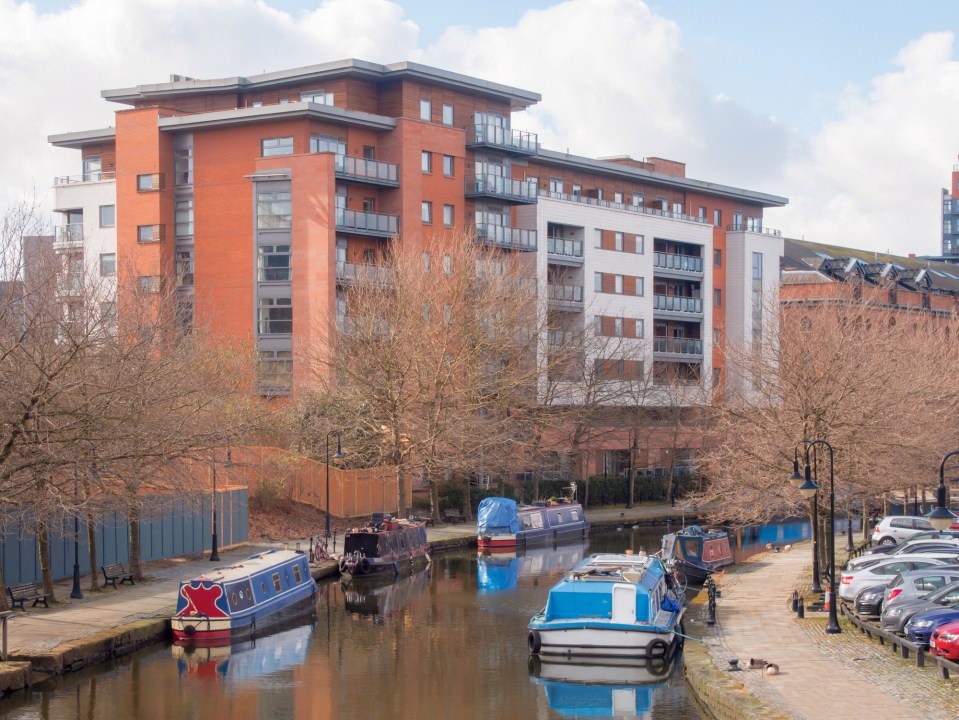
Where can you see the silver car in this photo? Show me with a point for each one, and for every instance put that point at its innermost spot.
(852, 581)
(911, 547)
(917, 584)
(895, 617)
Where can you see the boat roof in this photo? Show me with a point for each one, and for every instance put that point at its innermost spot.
(614, 566)
(250, 566)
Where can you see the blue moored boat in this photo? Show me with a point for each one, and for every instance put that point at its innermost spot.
(504, 526)
(610, 605)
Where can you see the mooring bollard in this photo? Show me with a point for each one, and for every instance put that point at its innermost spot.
(800, 612)
(711, 607)
(795, 601)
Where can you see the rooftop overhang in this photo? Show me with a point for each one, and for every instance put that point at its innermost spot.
(78, 140)
(517, 98)
(576, 162)
(284, 111)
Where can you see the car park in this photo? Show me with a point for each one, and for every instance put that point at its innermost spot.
(895, 617)
(852, 582)
(920, 627)
(944, 641)
(910, 547)
(893, 529)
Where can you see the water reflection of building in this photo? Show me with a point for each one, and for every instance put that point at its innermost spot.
(501, 571)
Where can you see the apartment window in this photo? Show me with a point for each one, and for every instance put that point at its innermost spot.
(677, 208)
(149, 183)
(638, 200)
(640, 244)
(717, 377)
(108, 216)
(426, 211)
(273, 263)
(427, 262)
(718, 257)
(618, 327)
(717, 336)
(426, 313)
(369, 204)
(577, 190)
(448, 165)
(92, 167)
(618, 241)
(718, 218)
(324, 143)
(640, 328)
(447, 114)
(701, 214)
(108, 312)
(426, 161)
(369, 152)
(277, 146)
(317, 96)
(275, 316)
(640, 286)
(274, 210)
(274, 371)
(718, 297)
(149, 283)
(149, 233)
(426, 110)
(183, 166)
(598, 282)
(448, 215)
(618, 198)
(618, 284)
(369, 255)
(737, 220)
(757, 267)
(556, 185)
(184, 268)
(256, 103)
(184, 218)
(599, 239)
(447, 265)
(108, 264)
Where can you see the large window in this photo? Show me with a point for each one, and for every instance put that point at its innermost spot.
(448, 215)
(448, 165)
(277, 146)
(108, 264)
(324, 143)
(319, 97)
(274, 370)
(426, 211)
(184, 218)
(149, 183)
(273, 263)
(275, 316)
(274, 210)
(426, 161)
(108, 216)
(447, 114)
(183, 166)
(184, 268)
(426, 110)
(149, 283)
(149, 233)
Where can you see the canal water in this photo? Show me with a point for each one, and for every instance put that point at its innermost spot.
(447, 643)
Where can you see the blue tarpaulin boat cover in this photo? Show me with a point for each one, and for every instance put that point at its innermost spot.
(497, 516)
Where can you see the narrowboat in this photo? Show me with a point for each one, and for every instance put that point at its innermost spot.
(611, 605)
(504, 526)
(386, 547)
(695, 553)
(232, 603)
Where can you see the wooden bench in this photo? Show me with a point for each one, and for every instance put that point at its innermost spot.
(116, 572)
(452, 515)
(19, 594)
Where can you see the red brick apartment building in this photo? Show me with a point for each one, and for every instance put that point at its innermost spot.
(260, 198)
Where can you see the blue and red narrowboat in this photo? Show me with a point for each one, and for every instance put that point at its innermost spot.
(235, 602)
(504, 526)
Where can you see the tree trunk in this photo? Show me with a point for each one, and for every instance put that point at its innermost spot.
(135, 544)
(467, 508)
(92, 547)
(434, 497)
(43, 551)
(4, 603)
(402, 509)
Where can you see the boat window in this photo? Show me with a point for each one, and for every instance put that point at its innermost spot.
(691, 548)
(263, 587)
(559, 517)
(233, 599)
(296, 574)
(276, 582)
(573, 515)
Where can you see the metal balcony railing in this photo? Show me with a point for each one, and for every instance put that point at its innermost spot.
(97, 176)
(677, 303)
(364, 272)
(372, 171)
(565, 293)
(678, 346)
(71, 234)
(642, 210)
(367, 223)
(673, 261)
(566, 248)
(505, 138)
(506, 237)
(758, 229)
(502, 187)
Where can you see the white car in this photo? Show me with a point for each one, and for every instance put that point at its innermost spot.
(896, 528)
(852, 581)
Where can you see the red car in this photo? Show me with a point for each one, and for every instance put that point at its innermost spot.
(945, 641)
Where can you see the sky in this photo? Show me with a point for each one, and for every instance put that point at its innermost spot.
(848, 109)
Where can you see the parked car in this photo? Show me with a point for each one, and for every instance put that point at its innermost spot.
(894, 529)
(919, 629)
(853, 581)
(917, 584)
(945, 535)
(869, 600)
(945, 641)
(908, 547)
(895, 617)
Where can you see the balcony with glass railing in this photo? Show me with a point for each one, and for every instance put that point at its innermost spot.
(371, 172)
(68, 236)
(678, 346)
(565, 249)
(506, 237)
(502, 188)
(89, 177)
(367, 223)
(352, 273)
(640, 209)
(504, 139)
(571, 295)
(682, 263)
(678, 303)
(756, 228)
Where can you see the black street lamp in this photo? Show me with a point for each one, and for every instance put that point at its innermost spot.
(339, 456)
(76, 593)
(633, 449)
(808, 489)
(941, 516)
(215, 546)
(802, 483)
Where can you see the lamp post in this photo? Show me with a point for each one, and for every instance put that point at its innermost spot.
(629, 467)
(798, 481)
(215, 546)
(808, 489)
(76, 593)
(339, 456)
(941, 516)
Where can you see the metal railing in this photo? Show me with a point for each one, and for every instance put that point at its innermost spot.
(679, 346)
(500, 186)
(365, 272)
(565, 293)
(72, 233)
(758, 229)
(566, 248)
(97, 176)
(505, 138)
(641, 209)
(677, 303)
(674, 261)
(367, 222)
(505, 236)
(371, 170)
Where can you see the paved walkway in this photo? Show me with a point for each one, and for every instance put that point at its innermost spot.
(821, 676)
